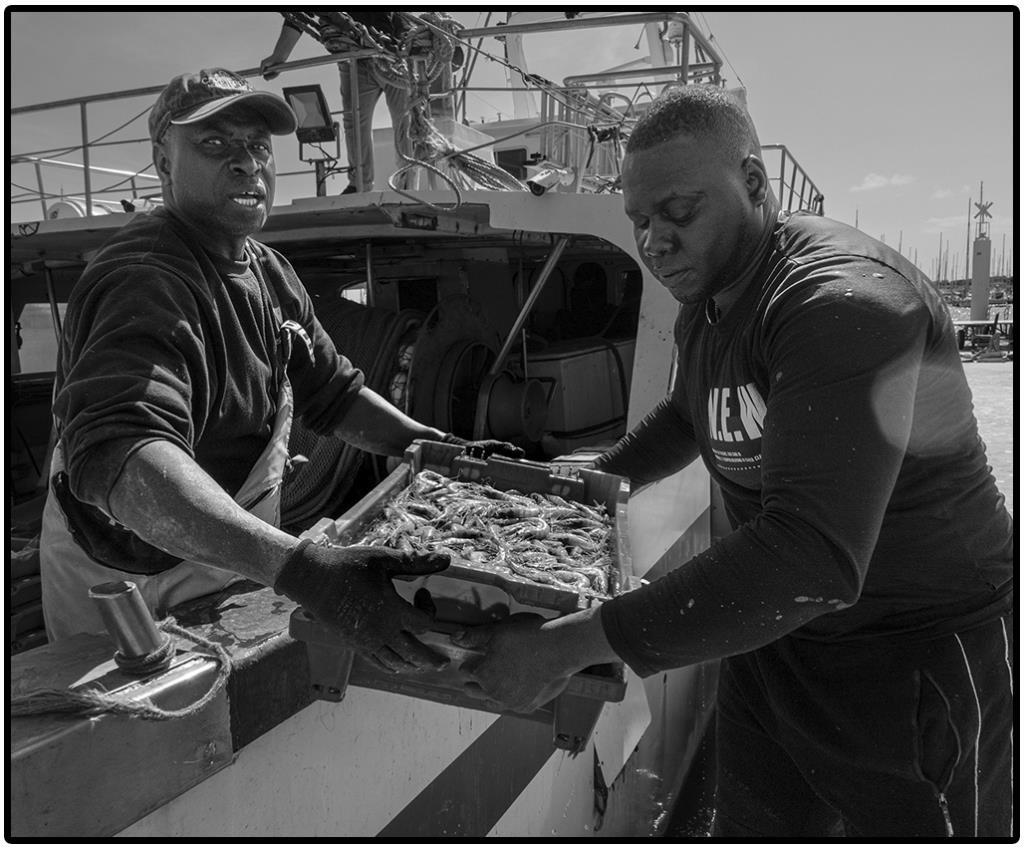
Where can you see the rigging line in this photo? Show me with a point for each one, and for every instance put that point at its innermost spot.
(531, 128)
(320, 147)
(711, 38)
(528, 78)
(123, 181)
(36, 194)
(483, 100)
(100, 138)
(467, 70)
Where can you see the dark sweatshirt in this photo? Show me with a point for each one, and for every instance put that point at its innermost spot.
(831, 407)
(165, 341)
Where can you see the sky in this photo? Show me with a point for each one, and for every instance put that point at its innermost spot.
(897, 115)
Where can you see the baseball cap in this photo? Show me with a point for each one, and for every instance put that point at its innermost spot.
(189, 98)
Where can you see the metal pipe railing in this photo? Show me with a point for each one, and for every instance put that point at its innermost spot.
(467, 72)
(695, 55)
(151, 91)
(816, 201)
(86, 174)
(679, 71)
(77, 166)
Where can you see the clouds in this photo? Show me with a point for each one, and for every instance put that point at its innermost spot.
(874, 181)
(949, 222)
(998, 224)
(943, 193)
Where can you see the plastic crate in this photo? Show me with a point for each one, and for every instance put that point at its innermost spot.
(333, 667)
(468, 593)
(466, 590)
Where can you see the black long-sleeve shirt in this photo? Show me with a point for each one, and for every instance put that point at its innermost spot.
(831, 407)
(165, 341)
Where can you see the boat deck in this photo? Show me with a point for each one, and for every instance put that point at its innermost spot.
(992, 384)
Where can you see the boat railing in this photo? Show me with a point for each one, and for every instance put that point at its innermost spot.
(582, 123)
(794, 188)
(139, 185)
(583, 120)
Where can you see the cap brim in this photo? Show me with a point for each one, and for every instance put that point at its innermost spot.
(279, 115)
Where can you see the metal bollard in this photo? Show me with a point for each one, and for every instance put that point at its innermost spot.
(141, 647)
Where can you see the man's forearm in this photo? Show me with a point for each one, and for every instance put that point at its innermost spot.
(527, 660)
(374, 425)
(166, 499)
(578, 641)
(658, 446)
(286, 42)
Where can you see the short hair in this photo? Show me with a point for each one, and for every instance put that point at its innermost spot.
(700, 111)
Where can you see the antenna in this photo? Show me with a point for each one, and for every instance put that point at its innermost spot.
(983, 214)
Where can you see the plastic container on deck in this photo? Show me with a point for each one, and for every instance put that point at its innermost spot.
(469, 593)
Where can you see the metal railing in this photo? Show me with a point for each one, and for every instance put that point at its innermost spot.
(38, 158)
(580, 125)
(792, 182)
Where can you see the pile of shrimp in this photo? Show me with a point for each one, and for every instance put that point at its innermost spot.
(541, 537)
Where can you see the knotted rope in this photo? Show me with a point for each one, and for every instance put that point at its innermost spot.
(90, 702)
(407, 62)
(395, 68)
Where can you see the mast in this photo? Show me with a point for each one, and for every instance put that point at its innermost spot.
(982, 261)
(967, 248)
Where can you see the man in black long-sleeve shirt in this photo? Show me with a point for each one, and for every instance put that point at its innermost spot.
(862, 601)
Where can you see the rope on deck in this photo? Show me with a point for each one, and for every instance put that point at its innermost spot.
(90, 702)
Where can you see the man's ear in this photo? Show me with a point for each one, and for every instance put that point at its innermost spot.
(160, 161)
(756, 179)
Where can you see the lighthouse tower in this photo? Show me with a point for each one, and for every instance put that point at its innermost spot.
(982, 261)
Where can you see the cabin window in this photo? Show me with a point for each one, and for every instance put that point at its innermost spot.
(355, 293)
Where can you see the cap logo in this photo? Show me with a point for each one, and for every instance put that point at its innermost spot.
(217, 79)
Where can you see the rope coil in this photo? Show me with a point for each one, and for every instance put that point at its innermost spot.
(90, 702)
(152, 662)
(397, 69)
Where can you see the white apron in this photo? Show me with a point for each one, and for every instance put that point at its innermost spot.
(68, 572)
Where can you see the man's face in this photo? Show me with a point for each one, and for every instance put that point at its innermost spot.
(219, 176)
(694, 208)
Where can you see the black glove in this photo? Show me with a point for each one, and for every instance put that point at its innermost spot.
(350, 589)
(486, 447)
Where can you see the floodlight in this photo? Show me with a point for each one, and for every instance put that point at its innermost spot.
(314, 116)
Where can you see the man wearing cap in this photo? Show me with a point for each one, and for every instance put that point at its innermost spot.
(186, 347)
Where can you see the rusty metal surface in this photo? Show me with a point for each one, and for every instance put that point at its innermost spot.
(269, 679)
(74, 777)
(92, 777)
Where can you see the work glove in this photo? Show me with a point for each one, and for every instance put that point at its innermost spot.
(486, 447)
(350, 590)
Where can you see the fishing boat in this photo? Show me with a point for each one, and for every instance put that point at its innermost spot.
(495, 290)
